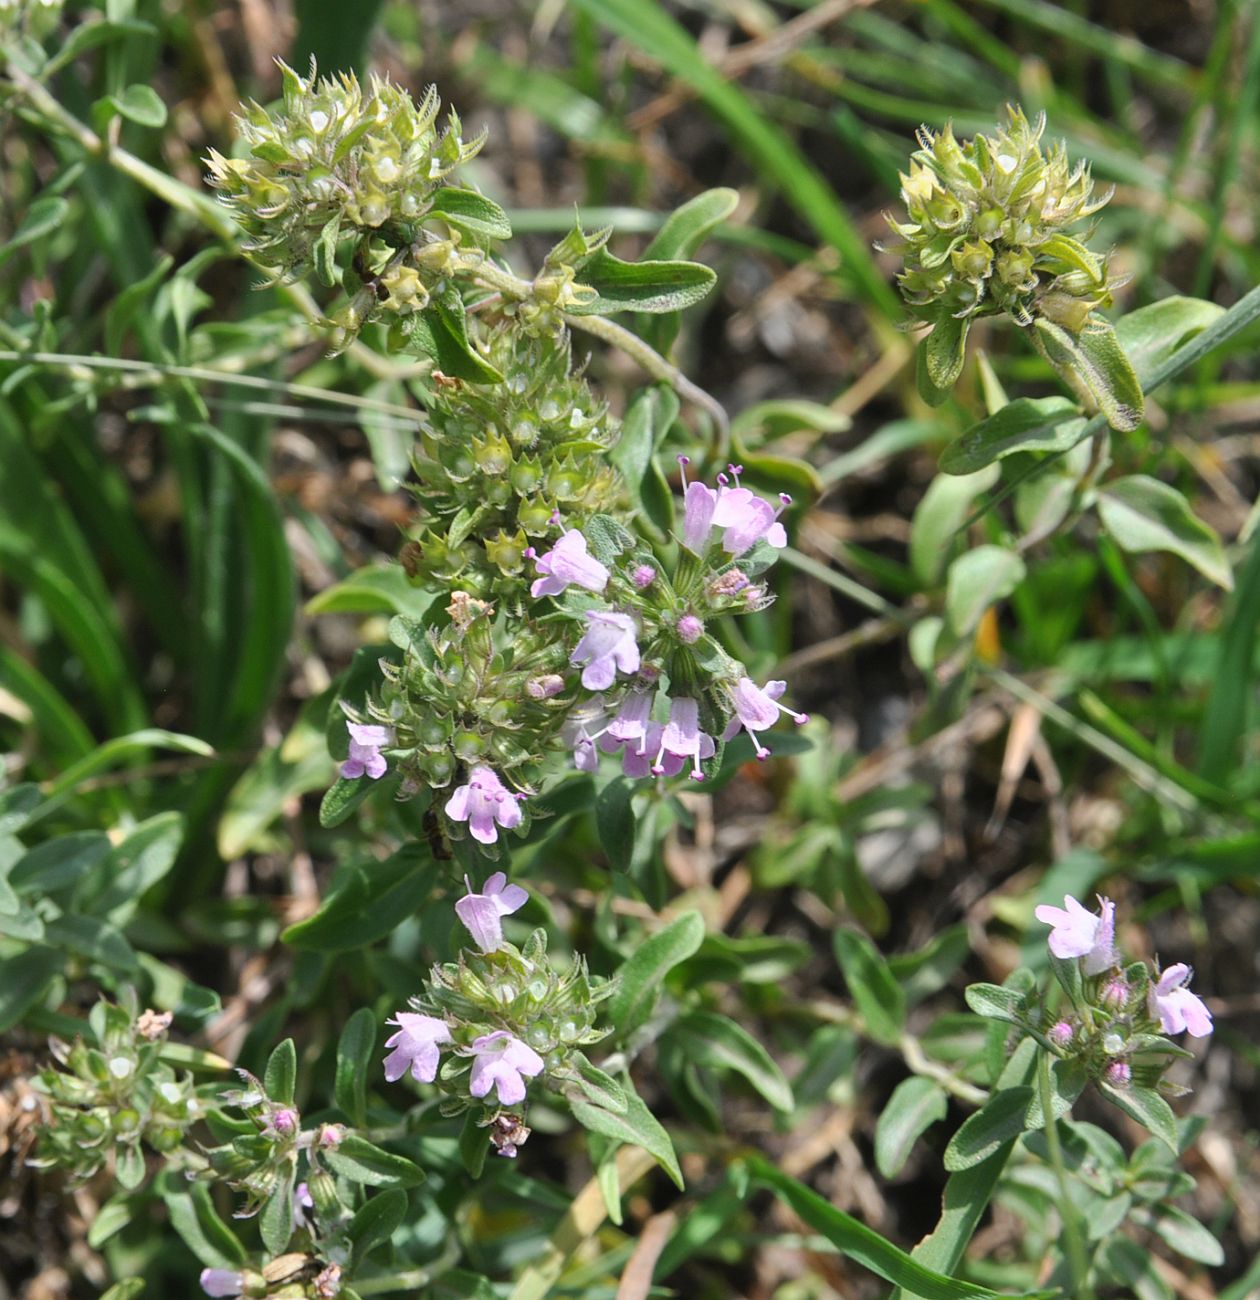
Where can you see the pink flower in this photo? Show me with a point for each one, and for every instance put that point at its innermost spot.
(609, 646)
(1078, 933)
(1060, 1033)
(302, 1201)
(416, 1046)
(482, 914)
(583, 727)
(1175, 1007)
(499, 1062)
(482, 802)
(633, 719)
(1119, 1074)
(744, 517)
(682, 737)
(365, 751)
(568, 563)
(221, 1282)
(756, 709)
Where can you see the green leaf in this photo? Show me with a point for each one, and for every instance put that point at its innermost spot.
(129, 1167)
(615, 822)
(641, 286)
(44, 215)
(112, 1217)
(374, 589)
(710, 1039)
(598, 1088)
(1096, 359)
(342, 799)
(369, 900)
(26, 976)
(280, 1077)
(361, 1162)
(275, 1223)
(687, 227)
(939, 515)
(59, 862)
(375, 1222)
(197, 1222)
(864, 1245)
(444, 342)
(1026, 424)
(999, 1120)
(474, 1145)
(916, 1104)
(641, 975)
(945, 351)
(1151, 334)
(977, 580)
(354, 1060)
(92, 938)
(876, 994)
(113, 888)
(470, 212)
(996, 1003)
(140, 104)
(324, 252)
(1143, 514)
(1149, 1109)
(1186, 1236)
(928, 391)
(90, 34)
(637, 1127)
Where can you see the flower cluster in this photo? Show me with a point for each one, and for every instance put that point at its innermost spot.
(497, 464)
(337, 159)
(114, 1094)
(985, 228)
(503, 1017)
(1119, 1013)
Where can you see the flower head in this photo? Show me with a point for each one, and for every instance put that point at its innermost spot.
(1175, 1007)
(1119, 1074)
(1078, 933)
(608, 647)
(744, 517)
(481, 803)
(1060, 1033)
(568, 563)
(366, 741)
(416, 1046)
(482, 914)
(503, 1063)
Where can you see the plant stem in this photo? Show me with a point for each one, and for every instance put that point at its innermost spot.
(1073, 1238)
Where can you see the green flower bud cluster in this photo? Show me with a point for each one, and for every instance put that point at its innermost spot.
(494, 464)
(517, 990)
(112, 1095)
(985, 228)
(260, 1161)
(337, 159)
(469, 692)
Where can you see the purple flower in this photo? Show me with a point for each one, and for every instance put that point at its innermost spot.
(633, 720)
(756, 709)
(482, 802)
(582, 729)
(482, 914)
(302, 1201)
(1175, 1007)
(682, 737)
(221, 1282)
(416, 1046)
(568, 563)
(499, 1062)
(1119, 1074)
(365, 751)
(643, 576)
(744, 517)
(1078, 933)
(284, 1121)
(608, 646)
(689, 628)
